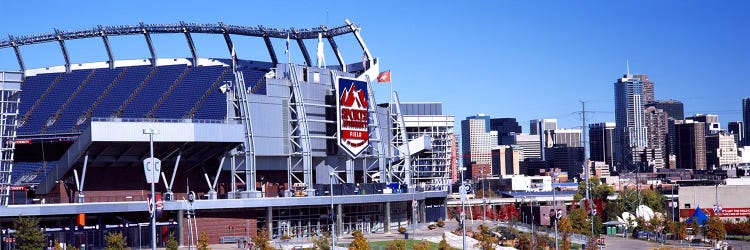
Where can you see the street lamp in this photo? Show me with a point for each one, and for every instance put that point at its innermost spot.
(484, 200)
(151, 132)
(333, 214)
(463, 208)
(554, 205)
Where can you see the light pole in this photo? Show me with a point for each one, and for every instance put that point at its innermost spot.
(463, 208)
(484, 200)
(554, 205)
(151, 132)
(333, 215)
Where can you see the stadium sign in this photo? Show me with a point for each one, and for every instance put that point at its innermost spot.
(353, 116)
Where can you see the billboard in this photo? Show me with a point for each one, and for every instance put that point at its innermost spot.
(353, 118)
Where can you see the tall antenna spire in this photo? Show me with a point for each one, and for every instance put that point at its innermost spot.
(627, 66)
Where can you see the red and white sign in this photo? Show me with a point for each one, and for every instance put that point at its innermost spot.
(353, 115)
(725, 212)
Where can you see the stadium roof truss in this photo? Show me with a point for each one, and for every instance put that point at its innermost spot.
(188, 28)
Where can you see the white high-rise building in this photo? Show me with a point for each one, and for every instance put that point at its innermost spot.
(538, 127)
(477, 140)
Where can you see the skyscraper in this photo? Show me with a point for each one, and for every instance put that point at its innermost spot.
(630, 129)
(721, 150)
(737, 130)
(675, 111)
(657, 127)
(601, 142)
(746, 118)
(690, 138)
(567, 137)
(537, 127)
(504, 126)
(476, 141)
(674, 108)
(529, 145)
(710, 121)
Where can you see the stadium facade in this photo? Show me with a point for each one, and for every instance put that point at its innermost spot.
(243, 144)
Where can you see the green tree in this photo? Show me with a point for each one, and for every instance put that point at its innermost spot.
(203, 242)
(486, 240)
(566, 229)
(28, 234)
(397, 245)
(261, 240)
(715, 228)
(598, 190)
(443, 245)
(322, 242)
(579, 222)
(172, 242)
(359, 242)
(115, 241)
(678, 229)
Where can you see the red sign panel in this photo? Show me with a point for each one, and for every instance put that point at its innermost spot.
(353, 116)
(725, 212)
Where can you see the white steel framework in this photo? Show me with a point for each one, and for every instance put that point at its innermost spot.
(10, 87)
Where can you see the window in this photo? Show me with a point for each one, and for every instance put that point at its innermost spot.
(687, 205)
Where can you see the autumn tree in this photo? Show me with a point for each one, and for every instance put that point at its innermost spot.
(566, 229)
(322, 242)
(695, 227)
(359, 242)
(397, 245)
(422, 245)
(524, 242)
(443, 245)
(715, 228)
(486, 240)
(261, 240)
(203, 242)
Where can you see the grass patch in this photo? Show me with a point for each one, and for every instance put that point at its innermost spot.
(379, 245)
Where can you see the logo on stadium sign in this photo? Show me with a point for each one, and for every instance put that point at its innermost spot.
(353, 118)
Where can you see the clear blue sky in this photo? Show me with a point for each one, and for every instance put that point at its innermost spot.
(523, 59)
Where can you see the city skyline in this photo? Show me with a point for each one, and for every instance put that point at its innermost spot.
(542, 59)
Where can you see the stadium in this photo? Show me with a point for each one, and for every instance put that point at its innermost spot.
(243, 144)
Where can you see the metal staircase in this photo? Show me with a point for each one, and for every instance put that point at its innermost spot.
(249, 143)
(375, 167)
(10, 87)
(400, 169)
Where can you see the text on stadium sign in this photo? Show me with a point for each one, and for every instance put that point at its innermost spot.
(353, 115)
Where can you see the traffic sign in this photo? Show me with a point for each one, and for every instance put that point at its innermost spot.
(558, 214)
(152, 172)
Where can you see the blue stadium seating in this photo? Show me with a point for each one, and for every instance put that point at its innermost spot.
(85, 98)
(189, 91)
(31, 172)
(152, 91)
(56, 97)
(112, 101)
(180, 101)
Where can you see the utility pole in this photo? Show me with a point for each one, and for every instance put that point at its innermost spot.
(586, 165)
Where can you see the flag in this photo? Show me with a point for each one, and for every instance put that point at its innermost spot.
(384, 76)
(234, 57)
(287, 44)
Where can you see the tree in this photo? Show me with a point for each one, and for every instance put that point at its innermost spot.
(28, 234)
(443, 245)
(524, 242)
(598, 190)
(678, 229)
(172, 242)
(566, 229)
(359, 242)
(57, 244)
(261, 240)
(322, 242)
(695, 227)
(579, 222)
(397, 245)
(115, 241)
(486, 240)
(422, 245)
(715, 229)
(203, 242)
